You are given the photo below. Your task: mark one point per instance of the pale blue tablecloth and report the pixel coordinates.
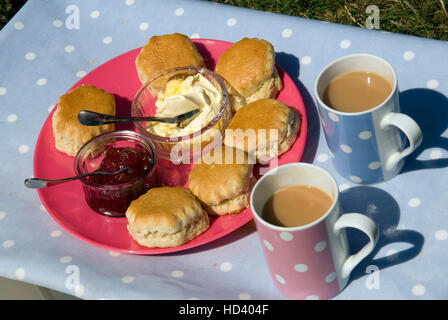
(40, 59)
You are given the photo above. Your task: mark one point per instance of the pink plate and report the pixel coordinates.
(66, 203)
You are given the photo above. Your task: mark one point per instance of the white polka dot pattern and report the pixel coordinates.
(24, 149)
(345, 44)
(432, 84)
(286, 33)
(20, 273)
(280, 279)
(81, 73)
(94, 14)
(65, 259)
(320, 246)
(143, 26)
(30, 56)
(18, 25)
(322, 157)
(268, 245)
(436, 154)
(414, 202)
(231, 22)
(418, 290)
(226, 266)
(177, 273)
(8, 244)
(441, 234)
(306, 60)
(41, 82)
(331, 277)
(333, 117)
(127, 279)
(12, 118)
(244, 296)
(286, 236)
(346, 148)
(300, 267)
(374, 165)
(179, 12)
(408, 55)
(57, 23)
(365, 135)
(356, 179)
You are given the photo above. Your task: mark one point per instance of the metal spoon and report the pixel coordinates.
(90, 118)
(36, 183)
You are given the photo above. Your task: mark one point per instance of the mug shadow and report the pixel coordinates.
(236, 235)
(429, 108)
(291, 65)
(382, 208)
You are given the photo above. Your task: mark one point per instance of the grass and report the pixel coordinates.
(8, 9)
(424, 18)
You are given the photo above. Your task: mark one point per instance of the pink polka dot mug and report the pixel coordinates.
(310, 261)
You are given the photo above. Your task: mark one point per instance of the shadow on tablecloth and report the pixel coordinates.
(291, 65)
(236, 235)
(381, 207)
(429, 108)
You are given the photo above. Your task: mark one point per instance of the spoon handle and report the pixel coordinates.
(90, 118)
(37, 183)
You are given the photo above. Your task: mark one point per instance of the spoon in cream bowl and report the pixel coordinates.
(90, 118)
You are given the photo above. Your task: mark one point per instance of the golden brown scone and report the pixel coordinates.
(69, 134)
(165, 52)
(250, 129)
(166, 217)
(222, 180)
(248, 69)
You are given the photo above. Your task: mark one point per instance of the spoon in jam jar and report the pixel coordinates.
(36, 183)
(90, 118)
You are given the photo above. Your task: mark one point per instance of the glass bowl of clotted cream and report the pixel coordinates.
(176, 92)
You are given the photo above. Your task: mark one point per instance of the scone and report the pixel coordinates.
(264, 129)
(69, 134)
(248, 69)
(166, 217)
(223, 180)
(165, 52)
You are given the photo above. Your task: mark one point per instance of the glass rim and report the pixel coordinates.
(309, 166)
(352, 56)
(129, 135)
(218, 116)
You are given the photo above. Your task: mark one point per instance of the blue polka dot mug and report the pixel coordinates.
(370, 146)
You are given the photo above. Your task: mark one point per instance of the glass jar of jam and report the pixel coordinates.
(110, 152)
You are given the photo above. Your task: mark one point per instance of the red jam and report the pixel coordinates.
(103, 193)
(115, 159)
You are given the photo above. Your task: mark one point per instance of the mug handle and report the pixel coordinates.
(366, 225)
(412, 131)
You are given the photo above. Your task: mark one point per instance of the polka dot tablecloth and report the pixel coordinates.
(44, 53)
